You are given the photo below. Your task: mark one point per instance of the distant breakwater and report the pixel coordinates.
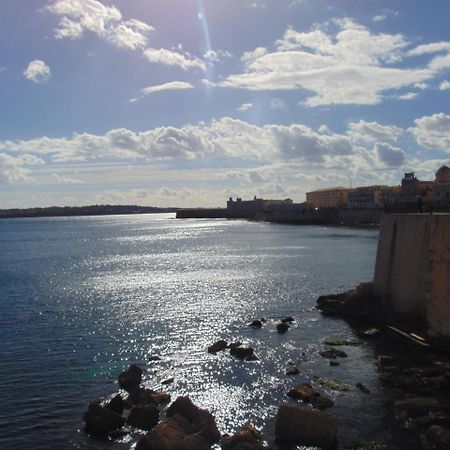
(323, 216)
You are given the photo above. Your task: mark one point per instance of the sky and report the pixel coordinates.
(189, 102)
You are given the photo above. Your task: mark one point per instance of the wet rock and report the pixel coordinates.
(154, 358)
(437, 438)
(116, 404)
(143, 396)
(234, 344)
(282, 327)
(334, 385)
(218, 346)
(243, 353)
(100, 421)
(306, 393)
(256, 324)
(337, 342)
(292, 369)
(247, 437)
(362, 388)
(385, 360)
(168, 381)
(193, 442)
(144, 417)
(167, 435)
(305, 426)
(131, 378)
(201, 419)
(334, 363)
(288, 319)
(333, 353)
(372, 332)
(418, 405)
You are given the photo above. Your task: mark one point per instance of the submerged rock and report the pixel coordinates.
(144, 417)
(305, 426)
(418, 405)
(255, 324)
(306, 393)
(362, 388)
(100, 420)
(292, 369)
(332, 353)
(218, 346)
(131, 378)
(337, 342)
(437, 438)
(282, 327)
(288, 319)
(334, 385)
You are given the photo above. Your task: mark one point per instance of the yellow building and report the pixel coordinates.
(328, 198)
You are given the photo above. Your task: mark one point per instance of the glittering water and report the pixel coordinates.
(82, 298)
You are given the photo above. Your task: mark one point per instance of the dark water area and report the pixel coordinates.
(82, 298)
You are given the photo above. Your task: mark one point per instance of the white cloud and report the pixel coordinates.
(171, 86)
(444, 85)
(277, 104)
(379, 18)
(408, 96)
(389, 155)
(216, 55)
(351, 66)
(373, 131)
(172, 58)
(81, 16)
(63, 179)
(12, 168)
(37, 71)
(245, 107)
(433, 132)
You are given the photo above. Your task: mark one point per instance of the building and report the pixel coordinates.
(441, 187)
(412, 189)
(368, 197)
(328, 198)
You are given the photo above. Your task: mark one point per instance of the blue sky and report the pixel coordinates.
(188, 102)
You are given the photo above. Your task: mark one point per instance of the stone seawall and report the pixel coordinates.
(412, 275)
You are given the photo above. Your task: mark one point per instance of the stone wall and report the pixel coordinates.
(412, 274)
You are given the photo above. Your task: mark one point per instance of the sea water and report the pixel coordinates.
(82, 298)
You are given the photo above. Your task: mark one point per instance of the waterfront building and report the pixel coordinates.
(368, 197)
(250, 208)
(328, 198)
(413, 189)
(441, 187)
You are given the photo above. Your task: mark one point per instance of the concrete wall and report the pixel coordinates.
(412, 274)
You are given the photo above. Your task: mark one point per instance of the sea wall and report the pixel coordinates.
(412, 274)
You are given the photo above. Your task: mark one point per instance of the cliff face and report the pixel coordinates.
(412, 275)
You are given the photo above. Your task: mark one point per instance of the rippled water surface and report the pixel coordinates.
(82, 298)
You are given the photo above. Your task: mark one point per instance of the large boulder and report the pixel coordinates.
(305, 426)
(116, 404)
(144, 417)
(243, 353)
(437, 438)
(100, 420)
(143, 396)
(218, 346)
(246, 437)
(131, 378)
(202, 420)
(306, 393)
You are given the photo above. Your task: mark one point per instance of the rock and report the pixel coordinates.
(306, 393)
(288, 319)
(333, 353)
(131, 378)
(154, 358)
(334, 363)
(116, 404)
(437, 438)
(246, 437)
(334, 385)
(372, 332)
(202, 420)
(193, 442)
(100, 421)
(143, 396)
(362, 388)
(246, 353)
(144, 417)
(292, 369)
(256, 324)
(305, 426)
(234, 344)
(337, 342)
(218, 346)
(168, 381)
(418, 405)
(167, 435)
(282, 327)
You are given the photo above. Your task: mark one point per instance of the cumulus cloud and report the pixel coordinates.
(81, 16)
(245, 107)
(350, 66)
(216, 55)
(389, 155)
(408, 96)
(37, 71)
(373, 131)
(172, 58)
(433, 132)
(12, 168)
(444, 85)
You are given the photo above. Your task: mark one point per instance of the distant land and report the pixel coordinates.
(92, 210)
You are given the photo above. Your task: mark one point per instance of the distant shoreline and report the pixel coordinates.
(72, 211)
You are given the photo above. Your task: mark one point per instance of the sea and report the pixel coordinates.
(82, 298)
